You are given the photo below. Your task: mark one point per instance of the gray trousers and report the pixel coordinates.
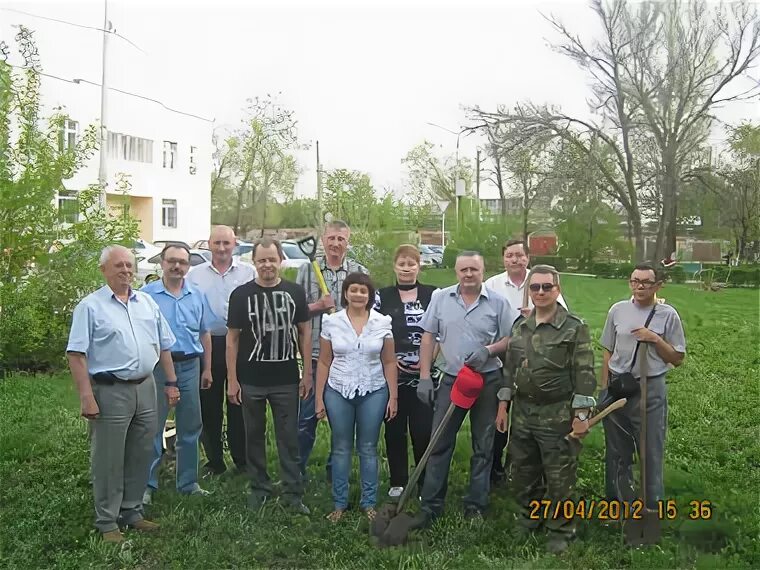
(121, 449)
(284, 403)
(482, 428)
(621, 432)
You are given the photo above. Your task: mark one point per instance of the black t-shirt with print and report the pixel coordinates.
(267, 318)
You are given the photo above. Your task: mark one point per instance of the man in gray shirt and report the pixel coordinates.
(663, 339)
(473, 325)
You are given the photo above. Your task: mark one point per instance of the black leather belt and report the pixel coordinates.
(182, 357)
(109, 379)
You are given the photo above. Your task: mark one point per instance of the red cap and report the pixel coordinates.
(466, 388)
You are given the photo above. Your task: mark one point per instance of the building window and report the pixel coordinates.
(68, 207)
(193, 166)
(127, 147)
(169, 213)
(170, 154)
(69, 134)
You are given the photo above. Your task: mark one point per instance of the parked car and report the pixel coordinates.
(149, 269)
(145, 249)
(435, 248)
(241, 247)
(294, 257)
(429, 258)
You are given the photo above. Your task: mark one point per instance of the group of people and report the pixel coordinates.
(387, 357)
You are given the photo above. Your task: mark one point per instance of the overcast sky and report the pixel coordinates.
(363, 78)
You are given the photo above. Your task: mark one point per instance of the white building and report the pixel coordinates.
(165, 154)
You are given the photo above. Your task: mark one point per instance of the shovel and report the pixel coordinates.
(391, 526)
(616, 405)
(647, 529)
(308, 247)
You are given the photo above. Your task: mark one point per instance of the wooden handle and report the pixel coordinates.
(616, 405)
(321, 281)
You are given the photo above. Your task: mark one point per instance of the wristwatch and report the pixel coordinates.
(582, 416)
(504, 394)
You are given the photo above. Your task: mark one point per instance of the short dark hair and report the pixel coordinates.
(177, 246)
(544, 270)
(267, 242)
(358, 278)
(511, 242)
(659, 272)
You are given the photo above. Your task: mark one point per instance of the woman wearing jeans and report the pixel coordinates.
(356, 388)
(406, 302)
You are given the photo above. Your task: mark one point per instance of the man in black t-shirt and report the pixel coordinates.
(267, 321)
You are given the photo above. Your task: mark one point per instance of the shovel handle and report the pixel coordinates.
(321, 280)
(616, 405)
(415, 476)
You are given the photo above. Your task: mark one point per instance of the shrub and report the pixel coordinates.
(555, 261)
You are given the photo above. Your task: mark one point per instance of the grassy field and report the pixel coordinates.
(713, 453)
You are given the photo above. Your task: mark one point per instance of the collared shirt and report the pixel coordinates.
(218, 287)
(503, 285)
(617, 338)
(123, 338)
(357, 366)
(188, 315)
(463, 330)
(334, 281)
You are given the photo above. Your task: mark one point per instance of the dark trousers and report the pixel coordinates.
(307, 424)
(482, 418)
(284, 403)
(415, 417)
(212, 412)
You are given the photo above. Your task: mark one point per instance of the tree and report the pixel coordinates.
(434, 176)
(657, 74)
(258, 162)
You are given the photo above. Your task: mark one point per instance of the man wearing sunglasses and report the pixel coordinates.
(656, 328)
(550, 368)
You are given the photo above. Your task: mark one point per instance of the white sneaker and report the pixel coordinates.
(395, 492)
(148, 496)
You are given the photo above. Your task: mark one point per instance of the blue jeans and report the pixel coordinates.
(307, 425)
(188, 422)
(360, 417)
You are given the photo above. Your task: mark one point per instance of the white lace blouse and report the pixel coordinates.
(357, 367)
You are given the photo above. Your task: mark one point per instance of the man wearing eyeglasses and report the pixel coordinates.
(335, 266)
(663, 339)
(190, 317)
(550, 365)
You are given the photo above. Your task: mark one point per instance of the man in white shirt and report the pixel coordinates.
(511, 284)
(217, 279)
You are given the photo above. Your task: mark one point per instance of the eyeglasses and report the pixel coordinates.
(635, 283)
(182, 262)
(546, 287)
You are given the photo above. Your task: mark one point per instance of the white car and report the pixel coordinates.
(145, 249)
(294, 257)
(149, 269)
(429, 257)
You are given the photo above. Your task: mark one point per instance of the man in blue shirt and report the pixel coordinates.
(117, 336)
(188, 313)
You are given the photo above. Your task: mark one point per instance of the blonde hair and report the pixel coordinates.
(407, 250)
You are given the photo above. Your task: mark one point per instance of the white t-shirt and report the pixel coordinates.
(504, 286)
(357, 367)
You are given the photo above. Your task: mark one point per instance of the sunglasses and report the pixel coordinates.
(546, 287)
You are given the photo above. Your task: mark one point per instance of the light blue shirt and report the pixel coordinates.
(462, 330)
(188, 315)
(218, 287)
(123, 338)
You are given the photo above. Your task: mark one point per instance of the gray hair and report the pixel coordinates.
(469, 253)
(109, 249)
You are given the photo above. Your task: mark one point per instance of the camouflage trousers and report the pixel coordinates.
(544, 463)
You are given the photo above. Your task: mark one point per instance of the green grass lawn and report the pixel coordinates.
(713, 453)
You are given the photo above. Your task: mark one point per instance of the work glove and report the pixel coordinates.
(425, 391)
(477, 360)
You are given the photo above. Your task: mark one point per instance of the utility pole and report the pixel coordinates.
(102, 166)
(477, 182)
(320, 220)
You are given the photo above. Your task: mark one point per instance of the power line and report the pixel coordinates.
(79, 81)
(133, 44)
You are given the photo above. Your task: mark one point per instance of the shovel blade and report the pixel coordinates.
(643, 531)
(398, 530)
(383, 517)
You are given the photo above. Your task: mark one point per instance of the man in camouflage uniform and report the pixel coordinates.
(551, 367)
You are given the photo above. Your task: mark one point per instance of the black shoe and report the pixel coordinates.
(421, 520)
(473, 514)
(215, 468)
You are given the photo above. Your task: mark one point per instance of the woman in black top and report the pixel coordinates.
(406, 303)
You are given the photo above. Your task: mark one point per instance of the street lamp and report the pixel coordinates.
(458, 183)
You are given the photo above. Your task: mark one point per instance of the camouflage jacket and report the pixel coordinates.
(550, 362)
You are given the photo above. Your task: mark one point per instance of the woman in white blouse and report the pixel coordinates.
(356, 388)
